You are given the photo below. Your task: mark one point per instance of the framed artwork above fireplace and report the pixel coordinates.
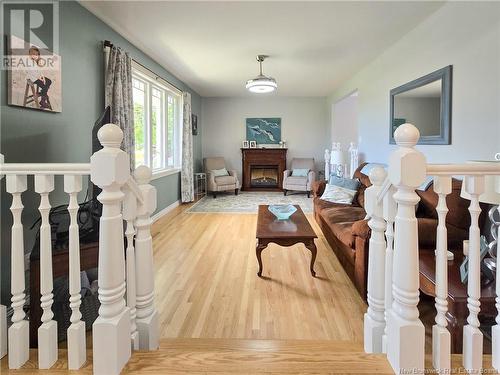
(264, 130)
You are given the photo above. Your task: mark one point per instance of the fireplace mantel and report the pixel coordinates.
(262, 157)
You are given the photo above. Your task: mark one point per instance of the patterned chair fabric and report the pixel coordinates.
(299, 183)
(221, 183)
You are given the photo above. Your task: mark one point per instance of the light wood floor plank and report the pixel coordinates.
(207, 287)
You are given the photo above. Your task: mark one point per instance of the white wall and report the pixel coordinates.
(345, 121)
(303, 126)
(463, 34)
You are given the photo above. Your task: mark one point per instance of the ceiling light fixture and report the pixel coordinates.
(261, 84)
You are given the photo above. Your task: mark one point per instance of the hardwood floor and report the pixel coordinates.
(244, 357)
(207, 287)
(235, 356)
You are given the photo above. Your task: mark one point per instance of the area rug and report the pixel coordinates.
(248, 202)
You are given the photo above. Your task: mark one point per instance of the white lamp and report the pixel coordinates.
(337, 162)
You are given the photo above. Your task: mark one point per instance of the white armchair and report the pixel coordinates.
(222, 183)
(299, 183)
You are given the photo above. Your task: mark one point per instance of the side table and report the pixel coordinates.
(200, 184)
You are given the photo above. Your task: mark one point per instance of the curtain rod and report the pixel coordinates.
(107, 43)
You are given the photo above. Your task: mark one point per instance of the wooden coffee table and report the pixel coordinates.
(284, 233)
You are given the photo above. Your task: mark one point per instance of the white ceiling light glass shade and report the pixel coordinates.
(261, 84)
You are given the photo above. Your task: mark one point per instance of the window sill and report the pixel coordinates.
(165, 172)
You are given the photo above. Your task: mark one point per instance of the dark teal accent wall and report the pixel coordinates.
(34, 136)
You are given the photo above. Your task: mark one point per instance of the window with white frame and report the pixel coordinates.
(157, 123)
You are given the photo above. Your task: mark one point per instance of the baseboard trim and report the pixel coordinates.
(165, 211)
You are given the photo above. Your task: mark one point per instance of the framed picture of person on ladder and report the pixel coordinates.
(34, 77)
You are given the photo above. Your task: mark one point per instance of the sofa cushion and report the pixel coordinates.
(343, 231)
(360, 198)
(458, 207)
(219, 172)
(318, 187)
(365, 182)
(320, 205)
(300, 172)
(343, 214)
(339, 192)
(225, 180)
(300, 181)
(427, 230)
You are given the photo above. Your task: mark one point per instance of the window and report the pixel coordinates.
(157, 123)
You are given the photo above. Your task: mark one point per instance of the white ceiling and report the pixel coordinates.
(313, 46)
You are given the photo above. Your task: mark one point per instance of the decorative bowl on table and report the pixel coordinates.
(282, 211)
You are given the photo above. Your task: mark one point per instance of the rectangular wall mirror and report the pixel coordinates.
(425, 103)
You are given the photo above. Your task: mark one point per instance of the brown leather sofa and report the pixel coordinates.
(347, 232)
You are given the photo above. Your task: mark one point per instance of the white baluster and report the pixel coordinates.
(441, 339)
(111, 331)
(405, 331)
(327, 165)
(47, 332)
(129, 215)
(147, 317)
(374, 318)
(354, 159)
(473, 337)
(495, 331)
(389, 217)
(77, 349)
(19, 330)
(3, 309)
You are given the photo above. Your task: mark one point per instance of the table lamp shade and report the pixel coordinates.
(337, 157)
(491, 193)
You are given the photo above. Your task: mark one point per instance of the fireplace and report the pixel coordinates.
(263, 168)
(264, 176)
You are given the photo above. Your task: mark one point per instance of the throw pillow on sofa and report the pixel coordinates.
(219, 172)
(340, 190)
(300, 172)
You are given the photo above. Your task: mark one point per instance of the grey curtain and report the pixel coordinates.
(187, 186)
(118, 95)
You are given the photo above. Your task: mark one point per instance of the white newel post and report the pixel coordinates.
(147, 317)
(441, 339)
(129, 215)
(3, 309)
(47, 332)
(19, 330)
(405, 331)
(495, 331)
(473, 337)
(77, 349)
(111, 331)
(374, 318)
(389, 217)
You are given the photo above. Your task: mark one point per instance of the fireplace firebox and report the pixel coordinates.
(264, 176)
(263, 168)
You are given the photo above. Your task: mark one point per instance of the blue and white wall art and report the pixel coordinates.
(264, 130)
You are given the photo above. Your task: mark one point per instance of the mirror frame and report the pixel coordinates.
(445, 75)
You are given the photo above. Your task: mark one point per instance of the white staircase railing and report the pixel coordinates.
(122, 325)
(392, 323)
